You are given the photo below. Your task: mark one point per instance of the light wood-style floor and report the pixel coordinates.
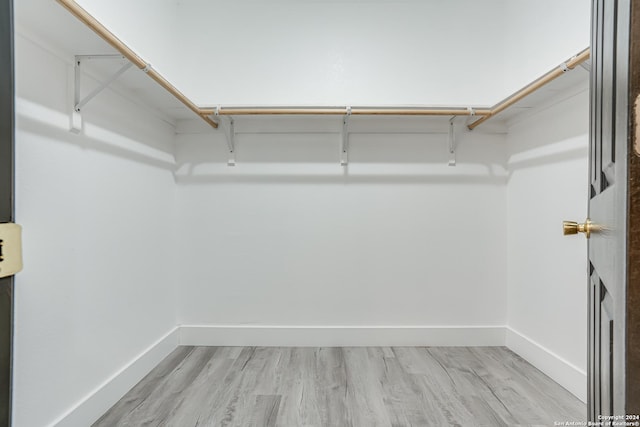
(341, 387)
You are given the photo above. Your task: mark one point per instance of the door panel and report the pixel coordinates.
(606, 332)
(608, 207)
(607, 67)
(594, 343)
(602, 323)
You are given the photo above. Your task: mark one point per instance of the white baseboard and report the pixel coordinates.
(341, 336)
(561, 371)
(98, 401)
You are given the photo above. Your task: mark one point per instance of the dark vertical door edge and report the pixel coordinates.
(6, 199)
(633, 232)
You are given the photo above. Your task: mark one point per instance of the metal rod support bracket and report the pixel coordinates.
(230, 134)
(78, 101)
(452, 143)
(344, 139)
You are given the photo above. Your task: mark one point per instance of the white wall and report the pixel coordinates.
(98, 286)
(288, 52)
(547, 273)
(287, 237)
(540, 35)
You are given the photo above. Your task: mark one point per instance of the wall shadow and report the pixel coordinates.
(55, 130)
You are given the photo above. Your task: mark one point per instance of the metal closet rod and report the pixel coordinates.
(206, 113)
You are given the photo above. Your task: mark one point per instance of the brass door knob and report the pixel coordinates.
(572, 227)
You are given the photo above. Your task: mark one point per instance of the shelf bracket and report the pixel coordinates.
(344, 139)
(230, 134)
(78, 101)
(452, 143)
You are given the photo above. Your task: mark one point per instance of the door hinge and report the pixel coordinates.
(10, 249)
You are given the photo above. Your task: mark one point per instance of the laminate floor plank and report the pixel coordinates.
(144, 388)
(233, 405)
(203, 393)
(331, 387)
(403, 397)
(556, 397)
(265, 411)
(344, 387)
(157, 407)
(300, 402)
(436, 382)
(530, 382)
(364, 396)
(510, 389)
(479, 400)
